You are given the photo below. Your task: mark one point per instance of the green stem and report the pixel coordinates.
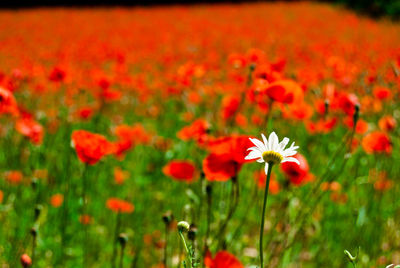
(263, 215)
(116, 232)
(186, 248)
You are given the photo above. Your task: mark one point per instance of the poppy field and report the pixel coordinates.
(218, 136)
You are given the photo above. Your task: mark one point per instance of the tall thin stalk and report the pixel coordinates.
(263, 215)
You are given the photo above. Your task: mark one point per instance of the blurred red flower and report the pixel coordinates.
(387, 123)
(128, 137)
(120, 175)
(26, 261)
(377, 142)
(57, 200)
(297, 174)
(195, 131)
(226, 157)
(119, 205)
(57, 75)
(381, 93)
(222, 259)
(28, 127)
(180, 170)
(230, 105)
(90, 147)
(14, 176)
(8, 104)
(347, 102)
(261, 179)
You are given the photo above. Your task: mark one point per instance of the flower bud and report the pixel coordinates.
(33, 231)
(38, 209)
(351, 258)
(26, 260)
(326, 105)
(122, 239)
(167, 217)
(192, 232)
(183, 226)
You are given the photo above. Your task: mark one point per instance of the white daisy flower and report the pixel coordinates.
(272, 151)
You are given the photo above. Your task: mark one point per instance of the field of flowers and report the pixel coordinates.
(132, 137)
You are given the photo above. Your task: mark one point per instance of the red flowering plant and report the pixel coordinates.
(90, 147)
(222, 259)
(180, 170)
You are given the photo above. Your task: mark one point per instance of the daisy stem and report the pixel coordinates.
(188, 252)
(263, 215)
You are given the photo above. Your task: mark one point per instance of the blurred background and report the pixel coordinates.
(375, 8)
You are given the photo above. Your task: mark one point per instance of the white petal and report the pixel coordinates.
(291, 159)
(261, 160)
(253, 155)
(266, 168)
(289, 152)
(255, 148)
(265, 142)
(259, 144)
(283, 143)
(273, 141)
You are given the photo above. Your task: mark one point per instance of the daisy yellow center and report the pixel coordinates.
(272, 157)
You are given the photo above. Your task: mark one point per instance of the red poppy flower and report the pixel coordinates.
(387, 123)
(110, 95)
(85, 112)
(57, 200)
(296, 173)
(234, 147)
(321, 126)
(284, 91)
(195, 131)
(222, 259)
(120, 175)
(347, 102)
(377, 142)
(261, 179)
(220, 167)
(226, 157)
(57, 75)
(28, 127)
(8, 104)
(361, 126)
(26, 261)
(85, 219)
(129, 136)
(14, 176)
(230, 104)
(120, 206)
(383, 184)
(90, 147)
(180, 170)
(382, 93)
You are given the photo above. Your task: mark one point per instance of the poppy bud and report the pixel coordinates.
(167, 217)
(183, 226)
(209, 189)
(122, 239)
(26, 260)
(33, 231)
(356, 114)
(326, 103)
(38, 209)
(34, 183)
(192, 232)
